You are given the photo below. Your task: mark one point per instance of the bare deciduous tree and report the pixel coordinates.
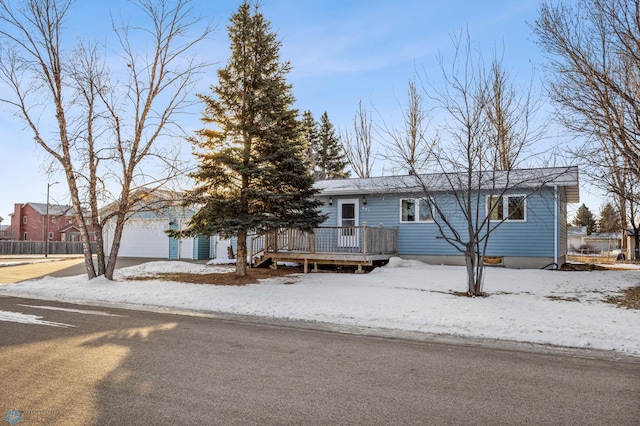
(468, 195)
(358, 146)
(410, 147)
(593, 46)
(108, 135)
(509, 112)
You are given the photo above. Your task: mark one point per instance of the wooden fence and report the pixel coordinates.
(12, 247)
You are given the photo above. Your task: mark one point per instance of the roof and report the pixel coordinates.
(149, 200)
(54, 209)
(566, 177)
(576, 231)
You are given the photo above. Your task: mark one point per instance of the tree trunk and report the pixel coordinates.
(241, 258)
(470, 262)
(80, 220)
(100, 257)
(115, 247)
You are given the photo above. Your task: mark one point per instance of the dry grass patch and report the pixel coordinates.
(563, 298)
(630, 298)
(222, 279)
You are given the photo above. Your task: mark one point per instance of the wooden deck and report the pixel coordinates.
(348, 246)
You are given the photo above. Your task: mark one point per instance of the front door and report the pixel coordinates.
(348, 220)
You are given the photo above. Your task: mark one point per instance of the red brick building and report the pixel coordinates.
(28, 223)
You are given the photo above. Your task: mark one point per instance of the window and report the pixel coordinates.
(415, 210)
(509, 207)
(51, 235)
(26, 236)
(24, 219)
(53, 219)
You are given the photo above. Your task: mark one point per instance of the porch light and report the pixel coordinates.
(330, 201)
(364, 200)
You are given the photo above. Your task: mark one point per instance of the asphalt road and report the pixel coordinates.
(91, 365)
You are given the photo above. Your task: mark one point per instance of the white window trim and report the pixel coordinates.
(417, 203)
(356, 202)
(505, 208)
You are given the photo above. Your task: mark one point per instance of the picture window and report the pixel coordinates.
(415, 210)
(507, 208)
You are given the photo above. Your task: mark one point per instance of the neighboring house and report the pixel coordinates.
(29, 223)
(534, 236)
(144, 232)
(597, 242)
(575, 237)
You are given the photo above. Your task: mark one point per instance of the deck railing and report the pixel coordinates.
(365, 240)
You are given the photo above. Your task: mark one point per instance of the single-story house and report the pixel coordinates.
(534, 209)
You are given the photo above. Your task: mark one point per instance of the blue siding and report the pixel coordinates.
(201, 247)
(563, 223)
(532, 237)
(174, 244)
(166, 213)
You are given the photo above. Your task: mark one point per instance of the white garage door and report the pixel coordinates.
(143, 239)
(146, 238)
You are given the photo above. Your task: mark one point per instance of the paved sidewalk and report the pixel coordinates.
(29, 268)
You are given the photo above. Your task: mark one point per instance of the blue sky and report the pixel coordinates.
(341, 52)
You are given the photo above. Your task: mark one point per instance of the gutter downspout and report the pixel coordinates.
(555, 224)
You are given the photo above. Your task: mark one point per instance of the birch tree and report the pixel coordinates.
(112, 125)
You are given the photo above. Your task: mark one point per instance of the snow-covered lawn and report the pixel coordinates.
(538, 306)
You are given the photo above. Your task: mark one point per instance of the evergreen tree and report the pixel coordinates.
(584, 217)
(330, 157)
(252, 173)
(311, 140)
(609, 220)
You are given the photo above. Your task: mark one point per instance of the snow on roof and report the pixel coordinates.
(54, 209)
(566, 177)
(576, 231)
